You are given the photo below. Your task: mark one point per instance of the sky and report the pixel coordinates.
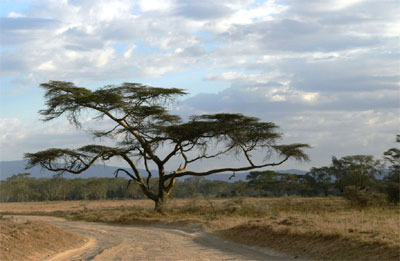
(327, 72)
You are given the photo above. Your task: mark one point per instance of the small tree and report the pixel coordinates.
(321, 178)
(143, 129)
(392, 179)
(267, 182)
(359, 171)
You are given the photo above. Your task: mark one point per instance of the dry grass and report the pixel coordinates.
(62, 206)
(319, 228)
(33, 240)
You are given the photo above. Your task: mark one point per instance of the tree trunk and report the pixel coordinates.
(160, 204)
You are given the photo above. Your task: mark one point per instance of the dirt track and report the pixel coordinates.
(114, 242)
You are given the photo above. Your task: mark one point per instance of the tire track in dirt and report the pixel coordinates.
(118, 242)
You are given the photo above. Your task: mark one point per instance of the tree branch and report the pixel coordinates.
(126, 172)
(172, 153)
(185, 165)
(246, 154)
(212, 156)
(148, 171)
(206, 173)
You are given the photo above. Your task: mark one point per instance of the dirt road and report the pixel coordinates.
(115, 242)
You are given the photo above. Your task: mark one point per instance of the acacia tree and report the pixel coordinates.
(144, 129)
(359, 171)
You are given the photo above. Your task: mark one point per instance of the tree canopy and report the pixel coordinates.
(359, 171)
(143, 129)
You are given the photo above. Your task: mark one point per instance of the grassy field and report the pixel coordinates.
(316, 228)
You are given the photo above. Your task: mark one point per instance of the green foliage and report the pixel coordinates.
(321, 178)
(271, 183)
(359, 171)
(294, 151)
(356, 177)
(134, 100)
(235, 129)
(22, 188)
(18, 189)
(393, 187)
(364, 198)
(392, 179)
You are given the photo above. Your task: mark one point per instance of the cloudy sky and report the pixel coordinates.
(327, 72)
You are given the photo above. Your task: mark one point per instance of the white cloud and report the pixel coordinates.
(277, 98)
(15, 140)
(155, 5)
(328, 67)
(334, 5)
(9, 127)
(129, 52)
(310, 97)
(110, 10)
(251, 26)
(248, 14)
(47, 66)
(14, 14)
(104, 57)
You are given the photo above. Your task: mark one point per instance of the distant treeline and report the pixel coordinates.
(22, 187)
(359, 178)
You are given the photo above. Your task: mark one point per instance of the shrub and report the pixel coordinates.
(364, 198)
(393, 187)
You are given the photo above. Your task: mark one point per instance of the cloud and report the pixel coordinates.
(299, 63)
(78, 39)
(20, 23)
(23, 30)
(155, 5)
(78, 28)
(15, 140)
(331, 130)
(204, 10)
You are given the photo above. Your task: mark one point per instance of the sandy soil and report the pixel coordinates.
(34, 240)
(115, 242)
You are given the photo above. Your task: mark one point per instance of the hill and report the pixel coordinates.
(9, 168)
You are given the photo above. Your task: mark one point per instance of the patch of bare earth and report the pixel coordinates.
(34, 240)
(290, 237)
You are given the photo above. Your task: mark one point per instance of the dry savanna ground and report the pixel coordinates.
(316, 228)
(34, 240)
